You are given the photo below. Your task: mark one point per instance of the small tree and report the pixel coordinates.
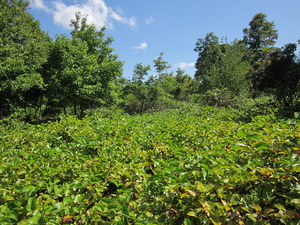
(137, 90)
(183, 87)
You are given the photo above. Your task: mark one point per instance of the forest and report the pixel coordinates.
(42, 78)
(81, 143)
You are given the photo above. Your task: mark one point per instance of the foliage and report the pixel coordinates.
(156, 92)
(221, 66)
(220, 98)
(80, 71)
(160, 65)
(23, 49)
(281, 77)
(260, 38)
(208, 53)
(140, 93)
(261, 34)
(184, 83)
(186, 166)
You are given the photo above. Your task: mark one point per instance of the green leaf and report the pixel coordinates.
(242, 133)
(58, 190)
(280, 207)
(193, 214)
(29, 189)
(192, 193)
(67, 200)
(251, 216)
(239, 146)
(125, 211)
(253, 136)
(262, 146)
(295, 201)
(12, 215)
(6, 222)
(296, 168)
(112, 206)
(35, 219)
(187, 222)
(31, 204)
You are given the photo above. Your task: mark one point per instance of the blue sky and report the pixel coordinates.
(143, 28)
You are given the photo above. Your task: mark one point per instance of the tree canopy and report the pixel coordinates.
(23, 49)
(75, 73)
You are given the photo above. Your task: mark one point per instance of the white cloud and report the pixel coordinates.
(97, 13)
(183, 65)
(142, 46)
(129, 21)
(39, 4)
(149, 20)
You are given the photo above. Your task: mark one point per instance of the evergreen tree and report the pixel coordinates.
(260, 38)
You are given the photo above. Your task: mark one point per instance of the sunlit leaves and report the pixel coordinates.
(184, 166)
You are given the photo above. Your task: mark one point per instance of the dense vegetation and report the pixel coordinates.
(192, 165)
(82, 144)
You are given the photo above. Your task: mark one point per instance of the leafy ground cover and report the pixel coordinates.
(185, 166)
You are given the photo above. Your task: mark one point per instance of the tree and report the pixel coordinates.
(140, 72)
(23, 49)
(221, 65)
(232, 69)
(137, 90)
(281, 76)
(166, 81)
(81, 70)
(260, 39)
(160, 65)
(183, 86)
(209, 51)
(261, 34)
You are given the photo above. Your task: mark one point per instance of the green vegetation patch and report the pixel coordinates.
(185, 166)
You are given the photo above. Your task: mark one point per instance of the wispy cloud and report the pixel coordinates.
(142, 46)
(97, 13)
(183, 65)
(149, 20)
(39, 4)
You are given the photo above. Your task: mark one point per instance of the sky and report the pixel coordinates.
(142, 29)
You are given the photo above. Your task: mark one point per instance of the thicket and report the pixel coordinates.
(191, 165)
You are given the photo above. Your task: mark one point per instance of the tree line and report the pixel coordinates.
(43, 77)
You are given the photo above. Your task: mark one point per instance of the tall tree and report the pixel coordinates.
(260, 34)
(23, 49)
(140, 72)
(260, 38)
(209, 51)
(160, 65)
(221, 65)
(281, 76)
(82, 69)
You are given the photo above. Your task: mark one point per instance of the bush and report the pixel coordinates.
(220, 98)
